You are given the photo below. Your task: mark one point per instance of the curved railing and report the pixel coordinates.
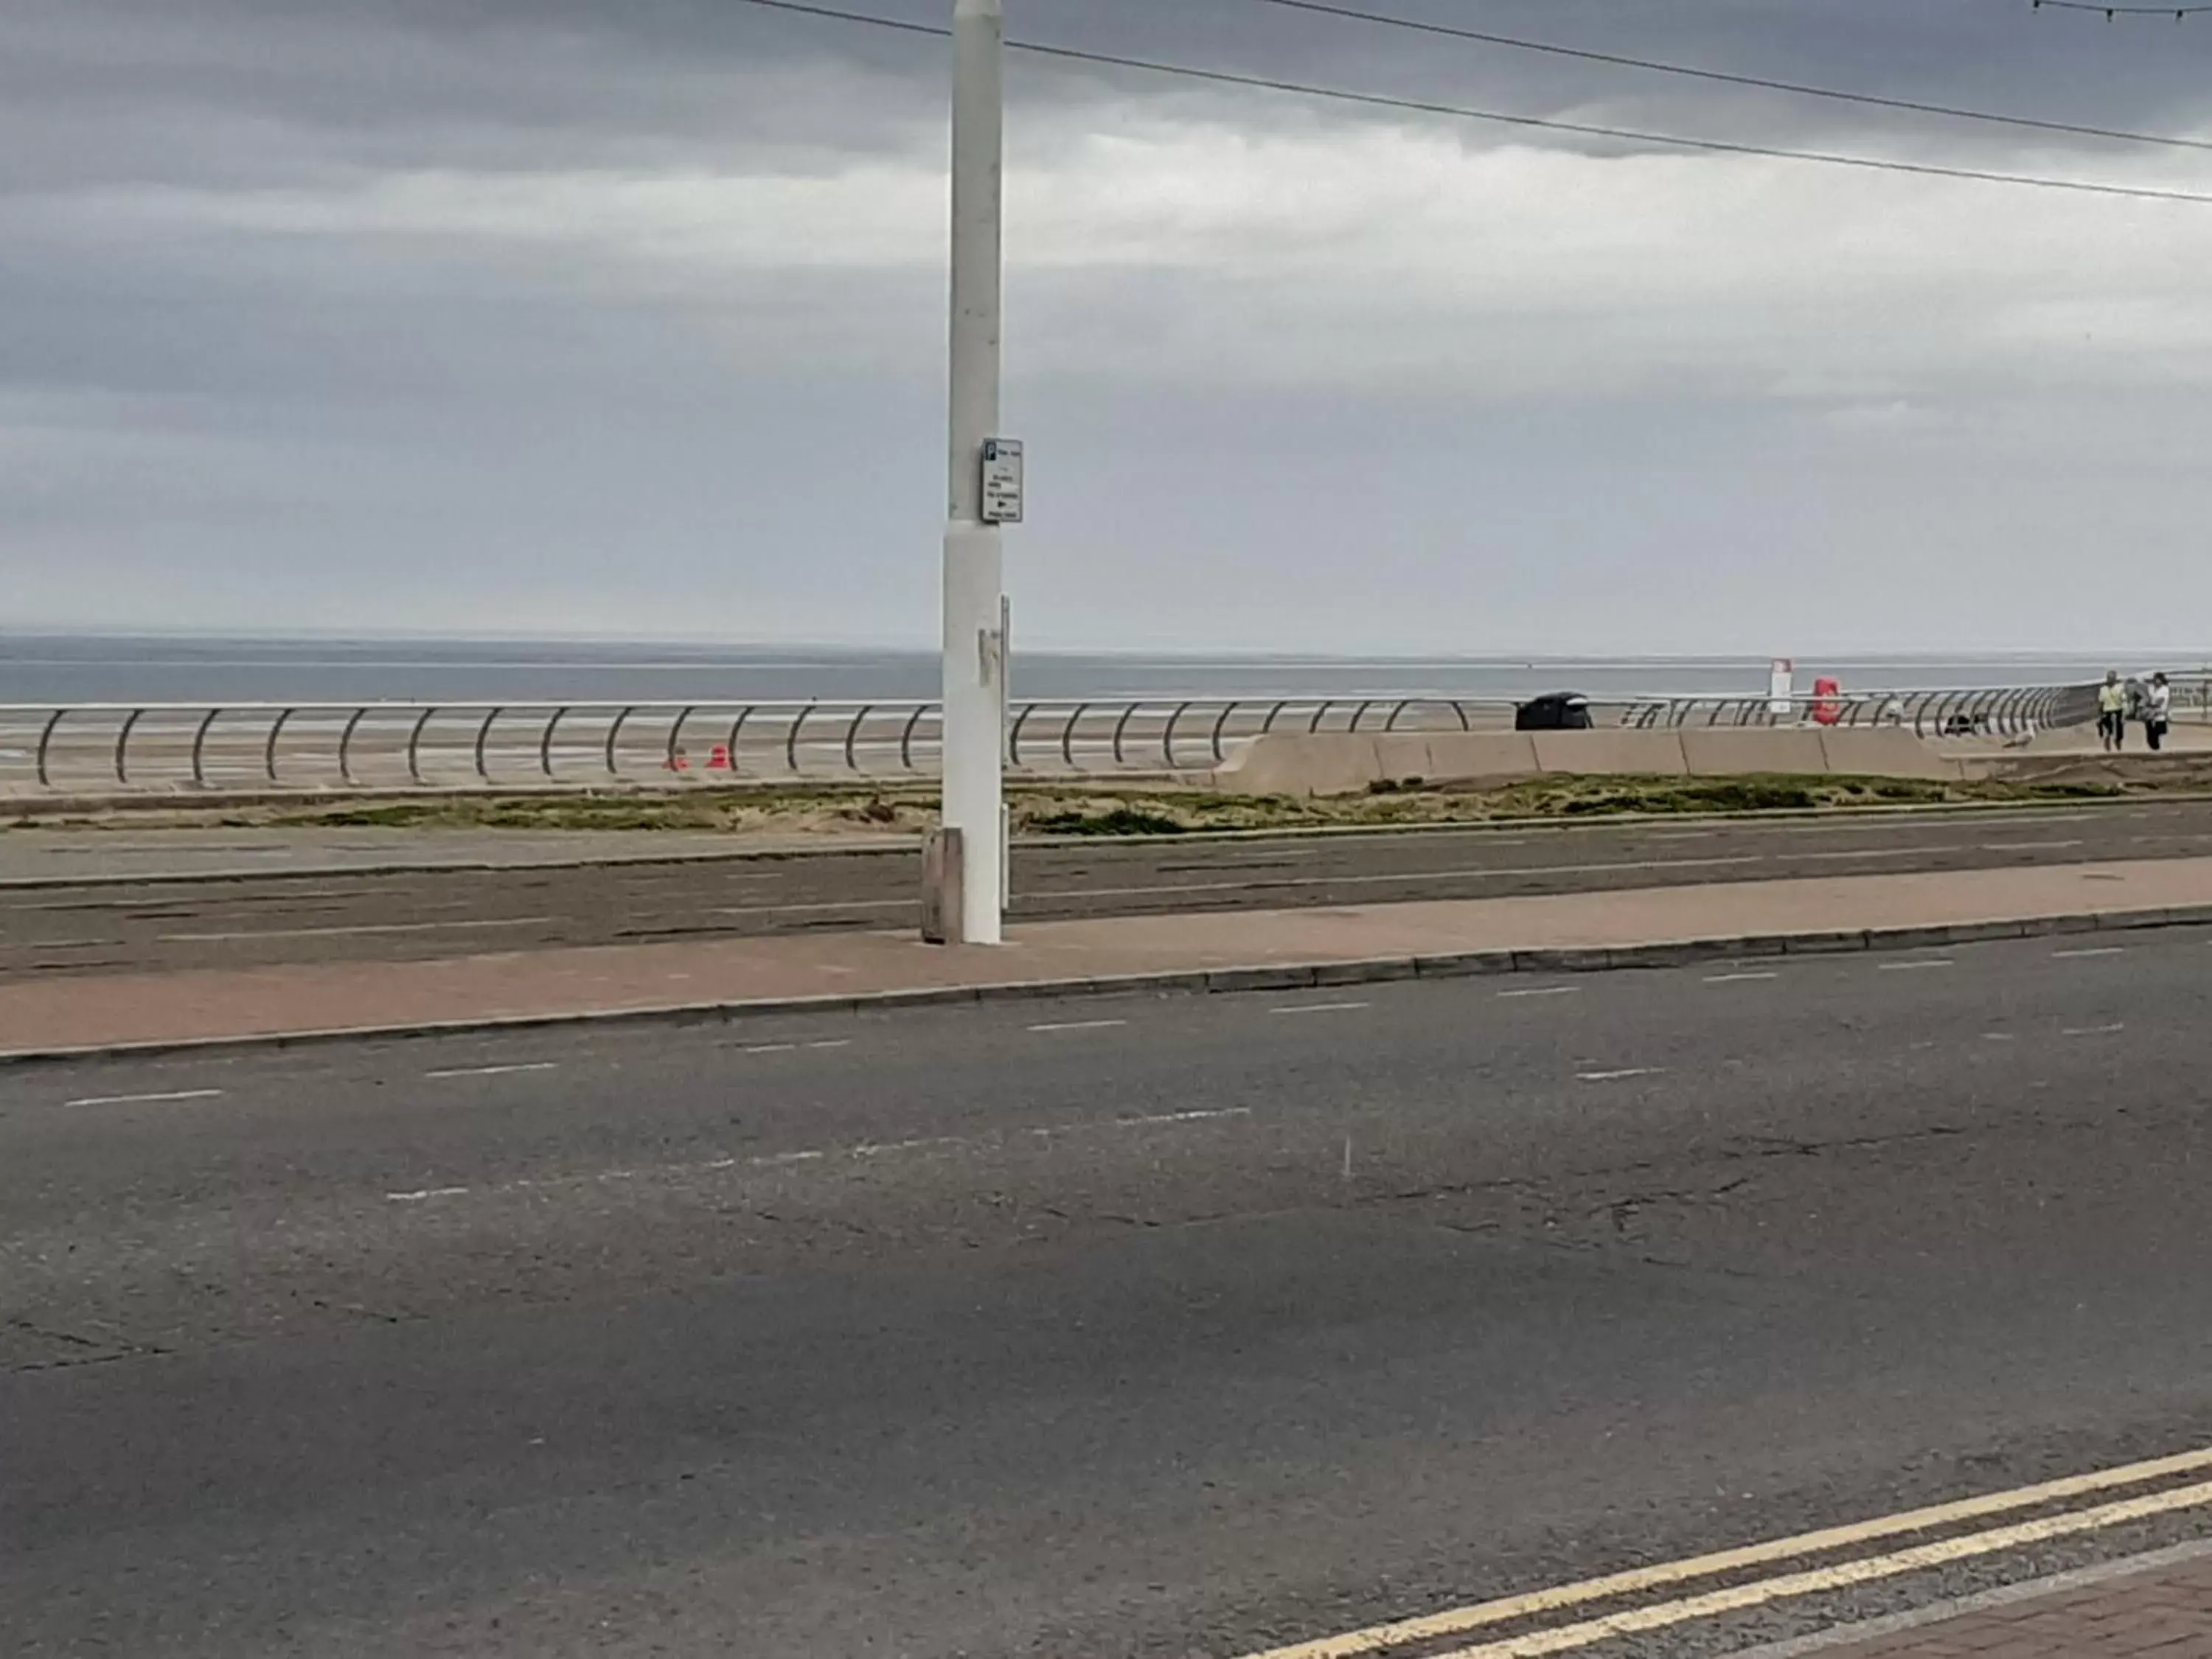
(107, 748)
(1990, 711)
(251, 747)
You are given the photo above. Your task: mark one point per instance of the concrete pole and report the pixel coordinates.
(973, 645)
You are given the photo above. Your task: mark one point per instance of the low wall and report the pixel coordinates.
(1889, 754)
(1342, 763)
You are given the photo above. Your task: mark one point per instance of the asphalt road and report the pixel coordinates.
(340, 914)
(1158, 1326)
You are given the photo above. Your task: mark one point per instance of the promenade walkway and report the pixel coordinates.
(1218, 951)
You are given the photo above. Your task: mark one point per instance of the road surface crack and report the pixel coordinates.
(1785, 1147)
(1624, 1211)
(835, 1223)
(356, 1311)
(91, 1351)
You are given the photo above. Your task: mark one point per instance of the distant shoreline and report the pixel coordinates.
(49, 667)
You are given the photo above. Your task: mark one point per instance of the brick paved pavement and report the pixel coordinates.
(2165, 1611)
(42, 1015)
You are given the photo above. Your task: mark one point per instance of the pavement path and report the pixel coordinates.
(1146, 1326)
(710, 978)
(434, 895)
(2160, 1605)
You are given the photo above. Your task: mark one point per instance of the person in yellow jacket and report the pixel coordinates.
(2112, 713)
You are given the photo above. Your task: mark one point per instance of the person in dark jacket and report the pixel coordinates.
(2158, 711)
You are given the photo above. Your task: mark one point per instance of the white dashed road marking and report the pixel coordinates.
(495, 1071)
(165, 1099)
(357, 930)
(1545, 991)
(825, 906)
(1866, 853)
(1322, 1008)
(2097, 950)
(1908, 967)
(1154, 1121)
(885, 1148)
(1081, 1025)
(2093, 1030)
(871, 1150)
(1615, 1077)
(1189, 889)
(1736, 979)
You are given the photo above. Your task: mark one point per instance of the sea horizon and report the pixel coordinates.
(46, 666)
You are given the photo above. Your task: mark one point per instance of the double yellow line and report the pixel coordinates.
(1688, 1608)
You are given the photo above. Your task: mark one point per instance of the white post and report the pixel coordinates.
(975, 718)
(1006, 713)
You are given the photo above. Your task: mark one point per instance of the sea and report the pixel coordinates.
(47, 669)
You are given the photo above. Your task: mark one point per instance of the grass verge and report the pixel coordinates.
(1108, 811)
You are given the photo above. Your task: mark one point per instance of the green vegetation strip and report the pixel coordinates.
(1106, 810)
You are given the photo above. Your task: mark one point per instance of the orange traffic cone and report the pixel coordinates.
(720, 761)
(677, 762)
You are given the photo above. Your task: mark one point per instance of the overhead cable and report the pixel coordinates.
(1540, 123)
(1796, 88)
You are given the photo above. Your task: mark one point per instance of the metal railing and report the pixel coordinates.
(106, 747)
(259, 747)
(1992, 711)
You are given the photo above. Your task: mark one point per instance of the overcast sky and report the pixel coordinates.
(627, 316)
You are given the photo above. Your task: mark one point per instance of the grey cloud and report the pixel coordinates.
(554, 82)
(250, 372)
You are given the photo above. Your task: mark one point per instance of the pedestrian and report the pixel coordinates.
(2158, 710)
(2112, 713)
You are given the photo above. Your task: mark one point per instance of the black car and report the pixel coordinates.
(1555, 711)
